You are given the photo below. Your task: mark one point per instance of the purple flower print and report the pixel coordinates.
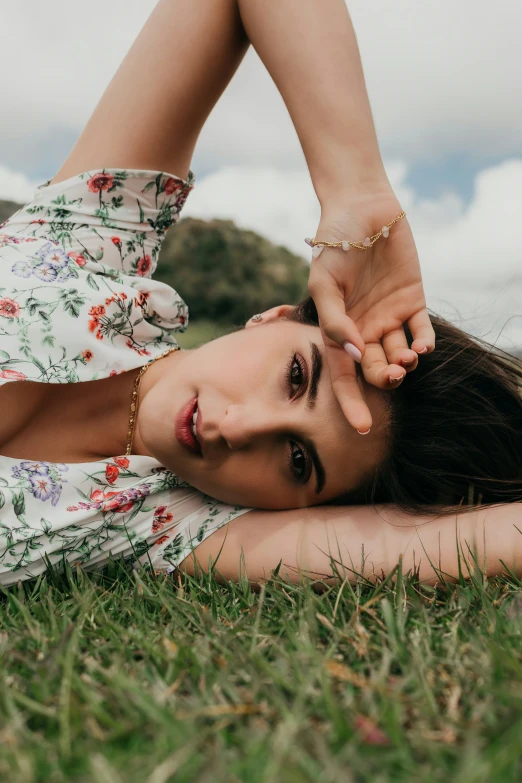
(43, 479)
(43, 487)
(22, 268)
(42, 468)
(51, 254)
(45, 272)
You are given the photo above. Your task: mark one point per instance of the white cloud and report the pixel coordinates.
(442, 78)
(463, 242)
(471, 255)
(15, 186)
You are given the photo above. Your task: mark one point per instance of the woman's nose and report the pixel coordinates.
(242, 424)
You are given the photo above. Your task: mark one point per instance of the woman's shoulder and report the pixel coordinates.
(118, 217)
(77, 301)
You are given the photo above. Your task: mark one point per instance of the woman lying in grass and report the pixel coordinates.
(316, 432)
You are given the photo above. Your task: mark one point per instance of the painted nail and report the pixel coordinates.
(424, 350)
(364, 433)
(353, 351)
(407, 362)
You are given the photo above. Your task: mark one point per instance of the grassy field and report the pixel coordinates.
(121, 678)
(202, 332)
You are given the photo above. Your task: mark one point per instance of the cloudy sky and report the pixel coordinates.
(444, 83)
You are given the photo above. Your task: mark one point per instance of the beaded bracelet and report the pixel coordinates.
(318, 246)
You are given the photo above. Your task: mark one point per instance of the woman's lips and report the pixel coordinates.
(182, 428)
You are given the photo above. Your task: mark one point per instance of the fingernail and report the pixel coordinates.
(424, 350)
(407, 362)
(364, 433)
(396, 379)
(354, 352)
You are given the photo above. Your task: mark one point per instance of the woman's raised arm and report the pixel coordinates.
(363, 297)
(365, 540)
(153, 110)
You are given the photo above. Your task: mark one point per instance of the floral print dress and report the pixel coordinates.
(78, 303)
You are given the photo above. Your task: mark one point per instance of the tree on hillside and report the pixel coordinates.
(224, 273)
(7, 208)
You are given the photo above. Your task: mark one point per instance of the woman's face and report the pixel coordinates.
(271, 431)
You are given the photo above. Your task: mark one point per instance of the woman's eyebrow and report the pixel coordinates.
(317, 366)
(318, 465)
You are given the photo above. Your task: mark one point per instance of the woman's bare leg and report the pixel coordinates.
(153, 110)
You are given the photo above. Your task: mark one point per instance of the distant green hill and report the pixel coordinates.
(7, 208)
(224, 273)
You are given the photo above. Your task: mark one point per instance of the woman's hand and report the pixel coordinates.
(364, 297)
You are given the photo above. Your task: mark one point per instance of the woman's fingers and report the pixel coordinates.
(377, 371)
(343, 376)
(396, 349)
(334, 322)
(422, 332)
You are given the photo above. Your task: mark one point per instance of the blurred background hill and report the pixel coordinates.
(7, 208)
(224, 273)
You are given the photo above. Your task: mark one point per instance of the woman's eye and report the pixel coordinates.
(299, 463)
(296, 374)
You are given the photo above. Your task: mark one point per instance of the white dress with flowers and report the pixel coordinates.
(78, 303)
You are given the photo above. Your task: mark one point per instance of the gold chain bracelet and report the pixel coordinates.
(318, 245)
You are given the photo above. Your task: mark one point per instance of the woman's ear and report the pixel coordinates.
(281, 311)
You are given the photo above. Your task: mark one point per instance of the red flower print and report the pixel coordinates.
(144, 265)
(171, 185)
(111, 473)
(123, 462)
(40, 222)
(100, 182)
(182, 319)
(160, 519)
(109, 300)
(116, 241)
(87, 355)
(161, 540)
(97, 310)
(112, 372)
(99, 336)
(157, 524)
(139, 351)
(9, 308)
(141, 299)
(97, 495)
(12, 375)
(80, 260)
(122, 296)
(112, 501)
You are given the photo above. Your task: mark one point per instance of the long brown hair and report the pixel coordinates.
(455, 430)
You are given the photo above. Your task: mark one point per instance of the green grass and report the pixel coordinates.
(200, 332)
(128, 678)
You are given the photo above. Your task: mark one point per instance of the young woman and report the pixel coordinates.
(314, 433)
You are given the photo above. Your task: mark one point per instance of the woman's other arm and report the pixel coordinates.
(153, 110)
(365, 540)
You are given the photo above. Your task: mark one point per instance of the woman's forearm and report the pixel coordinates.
(153, 110)
(310, 50)
(363, 540)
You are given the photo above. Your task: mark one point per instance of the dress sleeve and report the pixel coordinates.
(113, 219)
